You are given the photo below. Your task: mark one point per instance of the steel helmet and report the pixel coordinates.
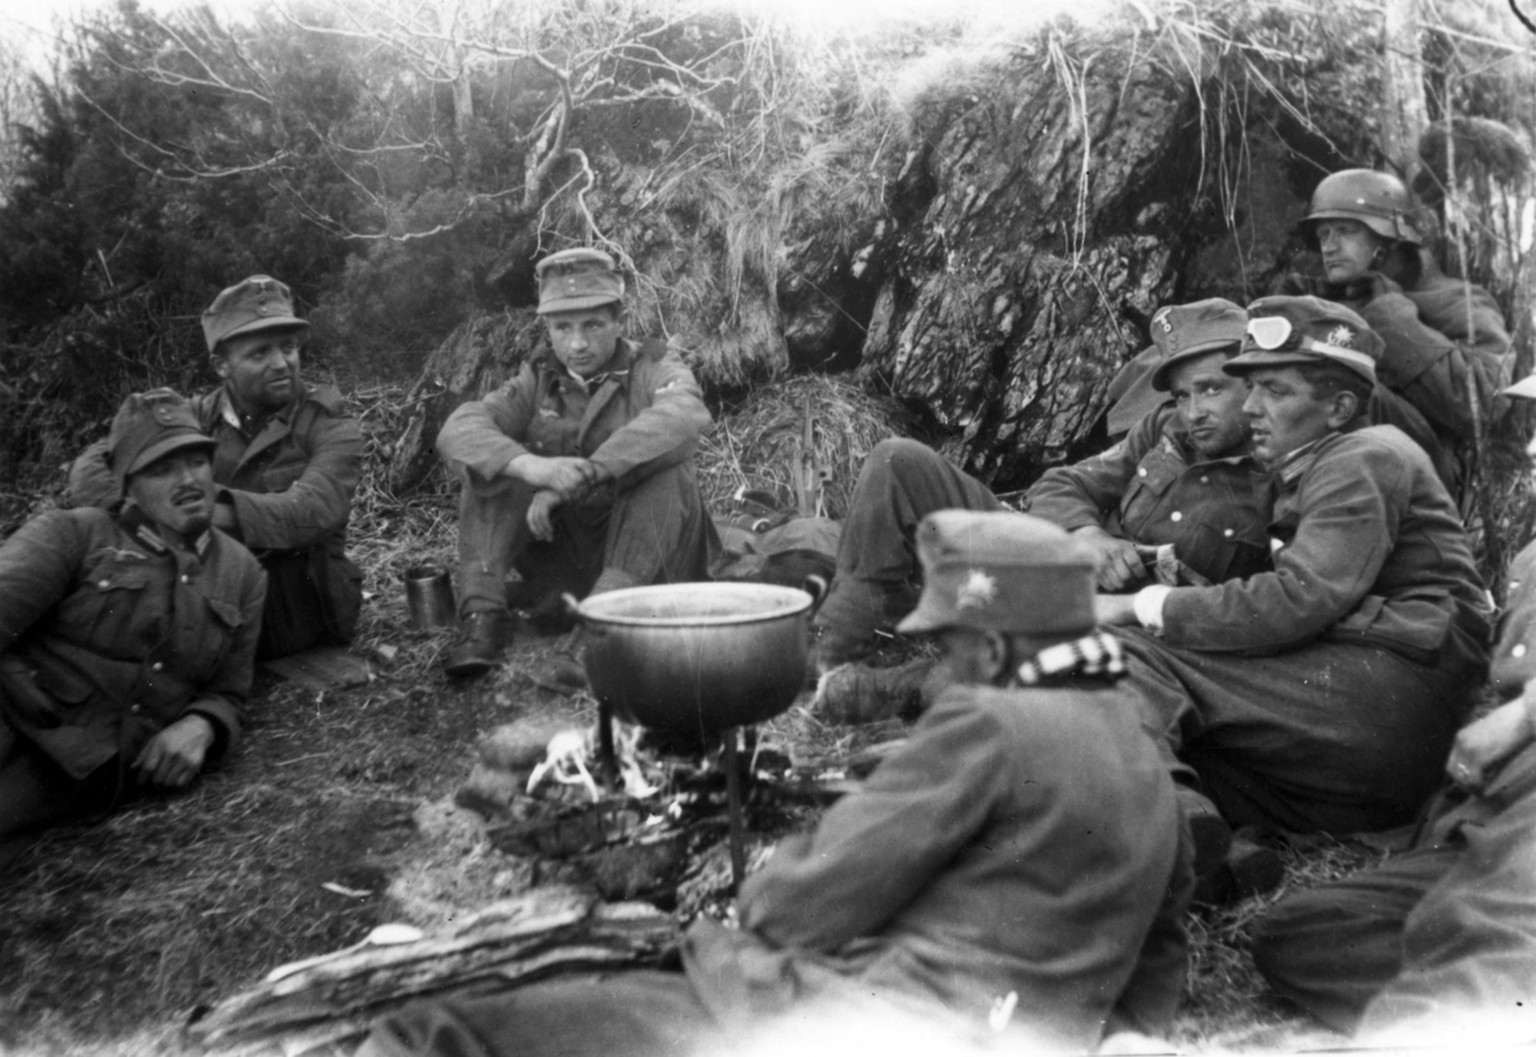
(1376, 199)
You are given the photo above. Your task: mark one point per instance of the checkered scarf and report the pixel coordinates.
(1095, 654)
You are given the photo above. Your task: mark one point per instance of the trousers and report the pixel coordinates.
(1437, 944)
(656, 531)
(1339, 737)
(878, 578)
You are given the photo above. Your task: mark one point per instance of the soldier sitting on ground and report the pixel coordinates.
(126, 641)
(1438, 946)
(288, 457)
(1321, 695)
(1178, 498)
(1016, 866)
(579, 474)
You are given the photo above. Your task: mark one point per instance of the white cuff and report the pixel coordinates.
(1149, 606)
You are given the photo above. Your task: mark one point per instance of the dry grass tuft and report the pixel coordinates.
(1226, 1006)
(760, 445)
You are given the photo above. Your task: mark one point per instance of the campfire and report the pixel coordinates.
(619, 866)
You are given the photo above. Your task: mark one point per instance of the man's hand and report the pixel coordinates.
(1482, 747)
(566, 476)
(224, 517)
(540, 523)
(1114, 609)
(175, 755)
(1120, 566)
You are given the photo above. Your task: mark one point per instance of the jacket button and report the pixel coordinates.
(103, 584)
(185, 578)
(135, 709)
(1227, 533)
(157, 666)
(1205, 480)
(1175, 516)
(1141, 471)
(1518, 651)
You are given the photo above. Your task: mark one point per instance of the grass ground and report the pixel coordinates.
(112, 935)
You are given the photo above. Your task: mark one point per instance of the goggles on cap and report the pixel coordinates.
(1277, 334)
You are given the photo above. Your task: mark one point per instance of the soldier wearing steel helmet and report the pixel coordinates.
(1446, 348)
(579, 474)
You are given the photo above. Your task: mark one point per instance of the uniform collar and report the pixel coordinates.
(1299, 461)
(133, 521)
(618, 368)
(250, 425)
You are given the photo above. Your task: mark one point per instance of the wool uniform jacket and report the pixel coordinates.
(107, 635)
(1152, 488)
(645, 413)
(291, 484)
(1368, 549)
(1446, 348)
(1022, 840)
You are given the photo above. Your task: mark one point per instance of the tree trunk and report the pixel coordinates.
(1406, 114)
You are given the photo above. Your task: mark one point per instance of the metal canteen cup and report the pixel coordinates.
(429, 597)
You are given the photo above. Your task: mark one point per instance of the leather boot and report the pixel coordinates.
(858, 693)
(482, 637)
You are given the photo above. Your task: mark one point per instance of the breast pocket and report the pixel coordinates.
(1142, 505)
(113, 608)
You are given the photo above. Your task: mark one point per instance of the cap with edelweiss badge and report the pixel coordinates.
(150, 426)
(1004, 572)
(1287, 331)
(250, 306)
(577, 279)
(1200, 327)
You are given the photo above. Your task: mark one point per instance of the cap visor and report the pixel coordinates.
(1525, 387)
(1257, 358)
(164, 446)
(1160, 374)
(578, 304)
(256, 326)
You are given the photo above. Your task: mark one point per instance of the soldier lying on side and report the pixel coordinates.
(126, 642)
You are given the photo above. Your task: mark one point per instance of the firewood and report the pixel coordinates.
(546, 931)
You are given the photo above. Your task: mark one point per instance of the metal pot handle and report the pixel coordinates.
(818, 587)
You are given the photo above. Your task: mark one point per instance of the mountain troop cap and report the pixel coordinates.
(575, 279)
(1004, 572)
(149, 426)
(1286, 331)
(1183, 331)
(251, 305)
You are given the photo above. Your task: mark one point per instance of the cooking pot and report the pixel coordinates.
(696, 657)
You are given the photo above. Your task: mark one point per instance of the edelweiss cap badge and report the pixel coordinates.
(978, 591)
(1342, 336)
